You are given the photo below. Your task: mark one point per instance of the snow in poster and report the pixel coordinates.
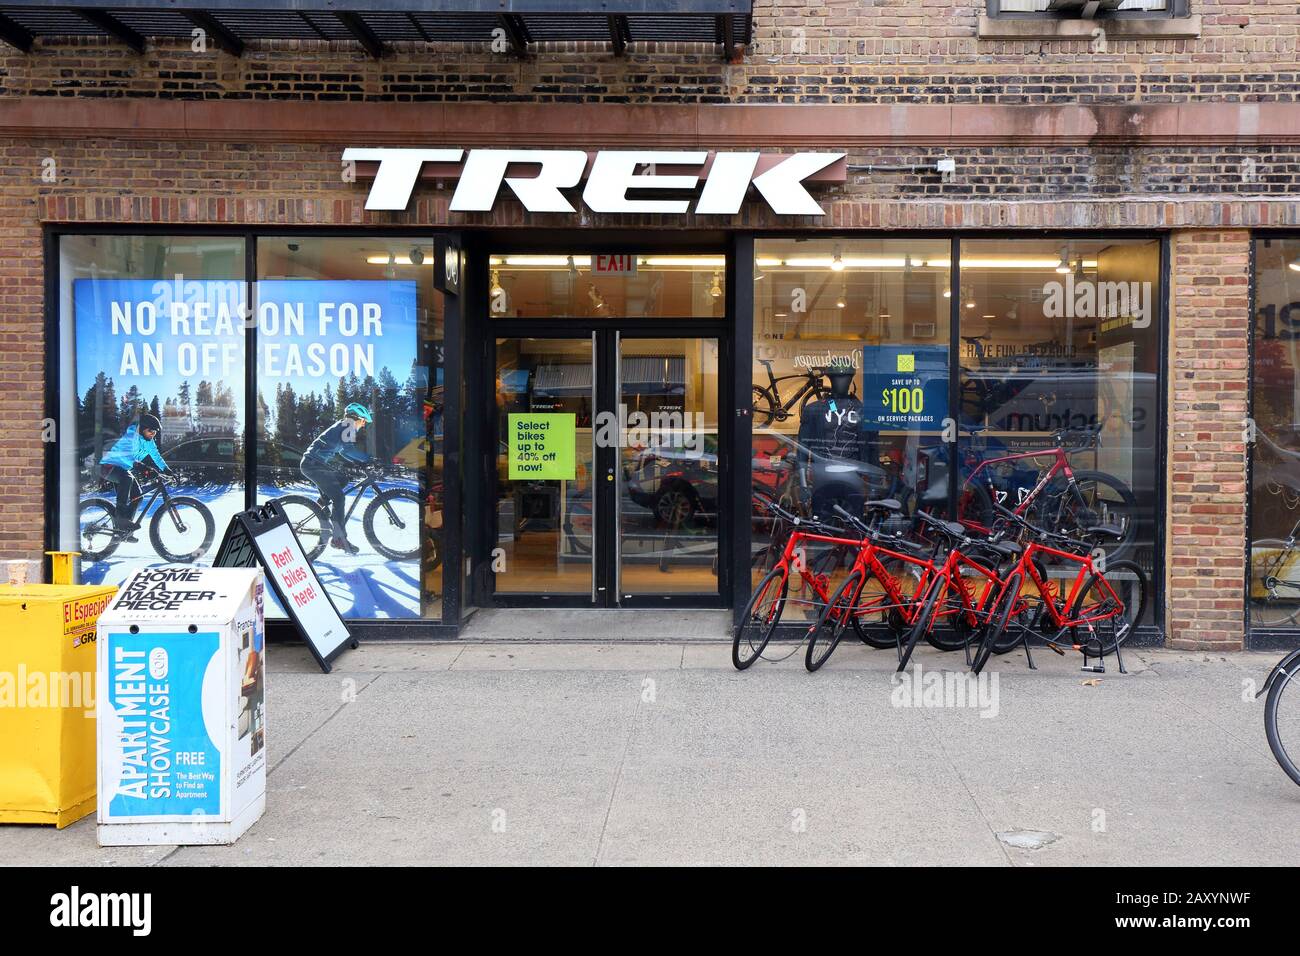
(175, 348)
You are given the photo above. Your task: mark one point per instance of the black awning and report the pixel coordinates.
(520, 24)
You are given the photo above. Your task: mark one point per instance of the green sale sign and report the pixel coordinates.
(542, 446)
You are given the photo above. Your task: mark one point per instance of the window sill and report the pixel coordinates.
(1052, 28)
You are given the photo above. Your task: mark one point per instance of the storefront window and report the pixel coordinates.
(607, 286)
(1056, 356)
(349, 414)
(873, 308)
(1059, 365)
(1275, 413)
(151, 339)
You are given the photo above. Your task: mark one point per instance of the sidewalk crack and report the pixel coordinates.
(618, 777)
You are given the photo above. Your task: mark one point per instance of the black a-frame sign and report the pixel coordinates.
(264, 536)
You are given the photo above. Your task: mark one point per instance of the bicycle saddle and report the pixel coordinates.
(767, 362)
(885, 504)
(1105, 529)
(1008, 549)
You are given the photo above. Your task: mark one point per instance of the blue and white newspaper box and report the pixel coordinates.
(182, 707)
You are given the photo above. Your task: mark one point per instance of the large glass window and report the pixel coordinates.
(1275, 412)
(152, 387)
(349, 405)
(1059, 367)
(347, 416)
(876, 309)
(1055, 400)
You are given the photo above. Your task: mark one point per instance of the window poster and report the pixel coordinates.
(904, 387)
(339, 422)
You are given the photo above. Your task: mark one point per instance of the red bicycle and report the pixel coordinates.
(1094, 614)
(1071, 500)
(767, 604)
(962, 588)
(901, 572)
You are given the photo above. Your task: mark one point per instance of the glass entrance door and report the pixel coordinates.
(607, 475)
(669, 484)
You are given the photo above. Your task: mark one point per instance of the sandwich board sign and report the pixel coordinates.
(264, 536)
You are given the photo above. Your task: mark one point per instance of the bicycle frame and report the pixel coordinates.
(811, 382)
(792, 543)
(1060, 465)
(1060, 620)
(870, 563)
(951, 570)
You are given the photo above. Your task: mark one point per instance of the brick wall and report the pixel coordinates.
(819, 51)
(1209, 376)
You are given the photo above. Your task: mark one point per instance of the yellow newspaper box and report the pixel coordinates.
(47, 701)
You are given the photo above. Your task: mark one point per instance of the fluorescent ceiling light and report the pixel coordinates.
(396, 260)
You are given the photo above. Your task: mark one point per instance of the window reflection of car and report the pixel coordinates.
(679, 485)
(211, 460)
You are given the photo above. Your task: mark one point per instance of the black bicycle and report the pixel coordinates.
(1282, 713)
(770, 406)
(391, 520)
(181, 528)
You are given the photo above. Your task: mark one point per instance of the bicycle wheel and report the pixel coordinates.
(999, 623)
(98, 539)
(182, 529)
(1102, 500)
(1282, 720)
(833, 624)
(1270, 558)
(762, 615)
(766, 407)
(1129, 585)
(392, 523)
(925, 619)
(309, 522)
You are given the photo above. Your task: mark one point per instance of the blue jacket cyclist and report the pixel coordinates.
(324, 463)
(118, 464)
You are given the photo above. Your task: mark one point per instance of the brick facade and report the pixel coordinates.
(1204, 184)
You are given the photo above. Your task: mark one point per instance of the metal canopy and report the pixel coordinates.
(520, 24)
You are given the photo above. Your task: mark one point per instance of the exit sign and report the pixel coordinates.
(613, 265)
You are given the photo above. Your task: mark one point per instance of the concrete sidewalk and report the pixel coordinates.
(531, 753)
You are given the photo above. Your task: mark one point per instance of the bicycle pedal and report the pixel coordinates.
(1059, 651)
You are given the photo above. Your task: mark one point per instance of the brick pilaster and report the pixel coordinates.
(1209, 367)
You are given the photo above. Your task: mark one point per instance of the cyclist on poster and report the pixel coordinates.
(320, 468)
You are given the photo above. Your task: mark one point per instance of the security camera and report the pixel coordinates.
(293, 247)
(417, 255)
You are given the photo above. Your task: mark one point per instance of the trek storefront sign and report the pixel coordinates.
(610, 176)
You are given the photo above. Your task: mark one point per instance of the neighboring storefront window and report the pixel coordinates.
(152, 386)
(607, 286)
(348, 337)
(1274, 597)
